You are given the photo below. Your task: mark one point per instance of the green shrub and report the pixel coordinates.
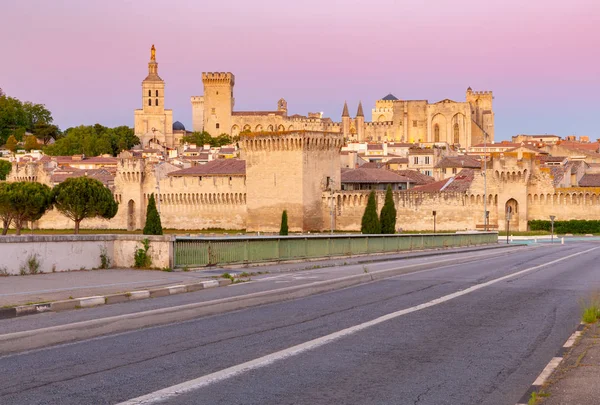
(284, 224)
(153, 225)
(388, 213)
(142, 259)
(104, 259)
(370, 221)
(576, 226)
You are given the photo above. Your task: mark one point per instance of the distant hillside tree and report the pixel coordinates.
(79, 198)
(370, 221)
(93, 140)
(153, 225)
(30, 143)
(12, 143)
(388, 213)
(5, 168)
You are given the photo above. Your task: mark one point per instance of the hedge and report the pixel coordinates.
(574, 226)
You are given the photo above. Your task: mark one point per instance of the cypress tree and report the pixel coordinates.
(370, 220)
(388, 213)
(284, 225)
(153, 225)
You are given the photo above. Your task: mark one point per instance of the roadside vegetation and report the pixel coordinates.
(591, 309)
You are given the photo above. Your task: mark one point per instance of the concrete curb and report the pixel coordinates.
(36, 338)
(88, 302)
(551, 366)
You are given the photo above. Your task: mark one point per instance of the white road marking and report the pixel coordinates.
(197, 383)
(547, 371)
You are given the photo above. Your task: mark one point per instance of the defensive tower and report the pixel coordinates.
(218, 102)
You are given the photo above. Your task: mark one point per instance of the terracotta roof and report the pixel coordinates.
(372, 165)
(459, 161)
(418, 177)
(547, 158)
(590, 147)
(397, 161)
(361, 175)
(227, 150)
(376, 146)
(418, 151)
(457, 184)
(60, 174)
(400, 145)
(590, 180)
(216, 167)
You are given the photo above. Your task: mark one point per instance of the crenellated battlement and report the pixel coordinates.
(197, 99)
(380, 124)
(291, 141)
(218, 77)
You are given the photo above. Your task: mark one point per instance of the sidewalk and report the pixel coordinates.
(48, 287)
(577, 380)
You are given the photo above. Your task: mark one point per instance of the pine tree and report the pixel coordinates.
(284, 225)
(370, 221)
(153, 225)
(388, 213)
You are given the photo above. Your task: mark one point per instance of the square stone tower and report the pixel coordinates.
(218, 102)
(290, 171)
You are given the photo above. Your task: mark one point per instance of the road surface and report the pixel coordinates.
(470, 332)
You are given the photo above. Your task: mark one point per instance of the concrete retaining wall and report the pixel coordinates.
(76, 252)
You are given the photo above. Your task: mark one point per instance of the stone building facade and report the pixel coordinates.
(393, 120)
(300, 172)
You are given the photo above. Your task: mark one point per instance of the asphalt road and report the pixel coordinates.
(466, 333)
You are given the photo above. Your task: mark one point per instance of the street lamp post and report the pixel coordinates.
(552, 217)
(434, 216)
(508, 212)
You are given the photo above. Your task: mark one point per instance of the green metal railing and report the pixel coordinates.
(204, 251)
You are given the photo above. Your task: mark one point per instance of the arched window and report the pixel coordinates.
(156, 93)
(149, 93)
(436, 133)
(456, 134)
(156, 102)
(149, 101)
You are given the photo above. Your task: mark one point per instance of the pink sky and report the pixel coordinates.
(86, 59)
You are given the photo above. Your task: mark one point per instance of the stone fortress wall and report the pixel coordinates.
(300, 172)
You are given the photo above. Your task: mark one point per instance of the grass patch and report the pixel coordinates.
(590, 309)
(141, 257)
(536, 397)
(227, 275)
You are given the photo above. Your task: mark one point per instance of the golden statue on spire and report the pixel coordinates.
(153, 53)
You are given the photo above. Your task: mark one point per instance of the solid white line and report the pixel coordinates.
(572, 339)
(547, 371)
(192, 385)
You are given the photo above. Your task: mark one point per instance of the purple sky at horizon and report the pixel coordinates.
(86, 59)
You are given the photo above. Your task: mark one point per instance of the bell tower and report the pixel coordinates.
(154, 123)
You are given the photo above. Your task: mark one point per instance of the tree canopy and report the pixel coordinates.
(5, 168)
(16, 117)
(82, 197)
(204, 138)
(370, 221)
(153, 225)
(12, 143)
(22, 202)
(93, 140)
(388, 213)
(30, 143)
